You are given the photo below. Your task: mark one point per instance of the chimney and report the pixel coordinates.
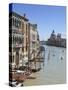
(24, 15)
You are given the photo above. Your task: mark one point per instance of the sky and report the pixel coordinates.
(47, 18)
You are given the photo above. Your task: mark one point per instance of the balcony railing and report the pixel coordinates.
(17, 45)
(17, 35)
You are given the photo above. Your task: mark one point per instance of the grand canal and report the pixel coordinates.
(54, 69)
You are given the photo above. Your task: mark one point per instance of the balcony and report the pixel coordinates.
(33, 41)
(17, 45)
(20, 35)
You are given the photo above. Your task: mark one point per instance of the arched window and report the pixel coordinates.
(19, 24)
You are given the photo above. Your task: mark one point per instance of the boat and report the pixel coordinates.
(61, 58)
(53, 54)
(31, 77)
(35, 70)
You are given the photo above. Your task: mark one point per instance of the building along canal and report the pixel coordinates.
(54, 69)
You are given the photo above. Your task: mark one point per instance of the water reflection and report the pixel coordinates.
(54, 70)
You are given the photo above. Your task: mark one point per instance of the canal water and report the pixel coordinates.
(54, 70)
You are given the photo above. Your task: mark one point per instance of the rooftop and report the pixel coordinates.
(20, 16)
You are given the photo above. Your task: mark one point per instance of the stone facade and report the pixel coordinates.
(24, 40)
(34, 44)
(16, 28)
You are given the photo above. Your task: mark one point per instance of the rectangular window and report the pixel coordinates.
(23, 26)
(13, 22)
(19, 24)
(26, 47)
(26, 29)
(33, 37)
(33, 45)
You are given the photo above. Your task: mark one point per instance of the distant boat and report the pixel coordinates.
(61, 58)
(53, 54)
(62, 50)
